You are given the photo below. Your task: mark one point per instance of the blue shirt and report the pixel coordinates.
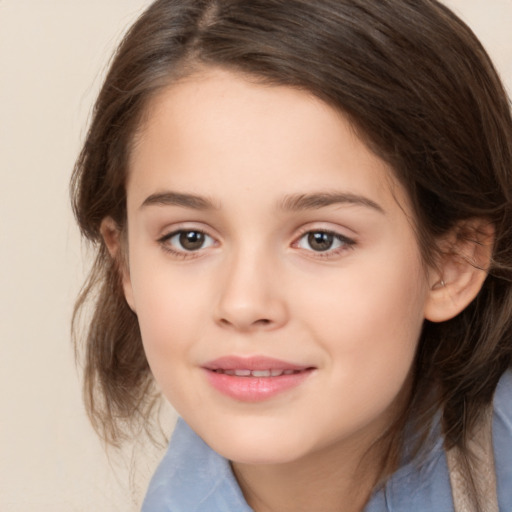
(194, 478)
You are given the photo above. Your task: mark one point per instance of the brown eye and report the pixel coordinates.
(320, 240)
(186, 240)
(191, 240)
(328, 242)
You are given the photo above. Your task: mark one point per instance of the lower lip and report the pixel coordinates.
(255, 389)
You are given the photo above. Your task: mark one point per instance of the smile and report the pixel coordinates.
(254, 379)
(257, 373)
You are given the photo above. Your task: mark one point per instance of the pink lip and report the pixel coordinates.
(254, 388)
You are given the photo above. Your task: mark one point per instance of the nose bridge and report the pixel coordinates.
(250, 294)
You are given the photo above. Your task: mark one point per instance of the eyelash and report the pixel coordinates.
(182, 253)
(346, 243)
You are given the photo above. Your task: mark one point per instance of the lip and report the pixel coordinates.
(250, 388)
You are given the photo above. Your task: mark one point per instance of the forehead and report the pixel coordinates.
(217, 128)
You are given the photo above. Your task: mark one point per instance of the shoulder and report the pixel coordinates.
(502, 439)
(420, 485)
(427, 487)
(192, 478)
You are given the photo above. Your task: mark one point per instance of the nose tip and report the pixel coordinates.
(251, 299)
(251, 316)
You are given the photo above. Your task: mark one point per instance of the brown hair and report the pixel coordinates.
(420, 90)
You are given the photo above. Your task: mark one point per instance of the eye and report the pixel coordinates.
(323, 241)
(187, 240)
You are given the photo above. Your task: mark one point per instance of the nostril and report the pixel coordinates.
(259, 322)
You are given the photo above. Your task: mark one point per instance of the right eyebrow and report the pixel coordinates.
(169, 198)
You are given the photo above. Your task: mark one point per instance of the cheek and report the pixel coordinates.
(166, 316)
(168, 320)
(371, 338)
(383, 292)
(371, 320)
(168, 306)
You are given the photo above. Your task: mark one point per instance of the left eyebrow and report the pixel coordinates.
(318, 200)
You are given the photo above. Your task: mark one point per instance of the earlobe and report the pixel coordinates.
(111, 234)
(465, 260)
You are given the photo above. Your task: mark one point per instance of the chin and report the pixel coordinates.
(257, 446)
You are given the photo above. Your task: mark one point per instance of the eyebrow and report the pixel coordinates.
(294, 202)
(192, 201)
(319, 200)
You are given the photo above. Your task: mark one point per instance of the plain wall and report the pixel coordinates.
(52, 57)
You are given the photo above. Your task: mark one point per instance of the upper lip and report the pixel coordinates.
(252, 363)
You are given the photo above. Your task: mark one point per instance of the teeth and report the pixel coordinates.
(257, 373)
(242, 373)
(260, 373)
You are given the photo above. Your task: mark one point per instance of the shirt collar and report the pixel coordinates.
(193, 478)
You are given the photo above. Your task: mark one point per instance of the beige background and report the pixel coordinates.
(52, 55)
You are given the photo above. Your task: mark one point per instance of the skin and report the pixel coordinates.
(257, 286)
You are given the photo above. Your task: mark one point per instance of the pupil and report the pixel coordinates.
(191, 240)
(319, 241)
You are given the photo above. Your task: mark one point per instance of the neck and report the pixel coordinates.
(330, 480)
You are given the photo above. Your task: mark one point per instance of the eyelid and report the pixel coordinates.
(163, 241)
(189, 225)
(348, 242)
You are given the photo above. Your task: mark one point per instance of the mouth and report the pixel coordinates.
(254, 379)
(257, 373)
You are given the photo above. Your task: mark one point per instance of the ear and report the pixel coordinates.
(464, 263)
(112, 237)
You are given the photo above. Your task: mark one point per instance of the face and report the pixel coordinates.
(273, 268)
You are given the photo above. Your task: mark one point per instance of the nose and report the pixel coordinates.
(251, 296)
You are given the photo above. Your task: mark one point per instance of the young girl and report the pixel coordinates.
(303, 219)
